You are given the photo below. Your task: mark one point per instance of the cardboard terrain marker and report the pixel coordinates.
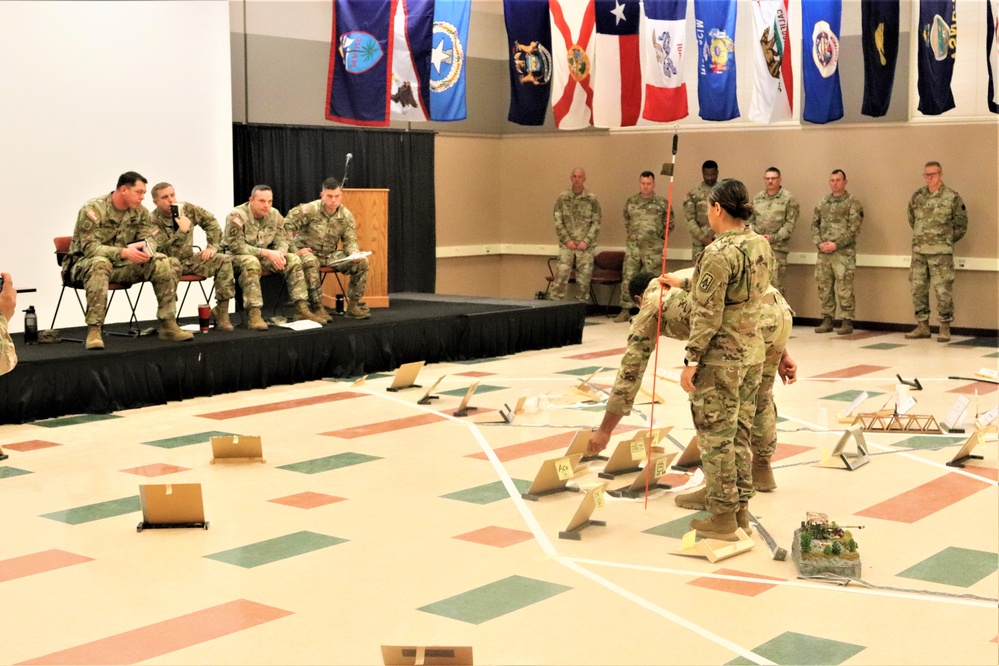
(425, 655)
(592, 500)
(237, 448)
(171, 505)
(405, 376)
(553, 477)
(839, 458)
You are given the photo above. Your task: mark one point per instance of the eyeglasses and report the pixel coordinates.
(931, 174)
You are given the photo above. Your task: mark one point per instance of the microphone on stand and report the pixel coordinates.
(346, 164)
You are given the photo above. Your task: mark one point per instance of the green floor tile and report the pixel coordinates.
(849, 396)
(792, 648)
(328, 463)
(582, 372)
(675, 529)
(489, 493)
(74, 420)
(476, 361)
(985, 341)
(960, 567)
(993, 355)
(481, 388)
(372, 376)
(929, 441)
(495, 599)
(8, 472)
(99, 511)
(279, 548)
(188, 440)
(883, 346)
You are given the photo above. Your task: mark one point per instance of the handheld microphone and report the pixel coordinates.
(346, 164)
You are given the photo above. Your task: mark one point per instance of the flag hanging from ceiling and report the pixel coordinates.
(664, 35)
(448, 59)
(529, 40)
(714, 25)
(936, 49)
(412, 29)
(992, 52)
(773, 93)
(572, 62)
(820, 25)
(360, 72)
(879, 27)
(617, 83)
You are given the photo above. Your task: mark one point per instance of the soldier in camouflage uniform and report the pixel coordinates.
(175, 239)
(938, 219)
(8, 305)
(317, 229)
(835, 226)
(108, 246)
(256, 240)
(577, 225)
(695, 210)
(645, 217)
(775, 212)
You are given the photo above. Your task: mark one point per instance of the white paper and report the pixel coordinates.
(303, 325)
(957, 411)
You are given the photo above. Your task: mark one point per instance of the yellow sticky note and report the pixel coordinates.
(660, 468)
(689, 539)
(598, 497)
(563, 467)
(637, 449)
(825, 454)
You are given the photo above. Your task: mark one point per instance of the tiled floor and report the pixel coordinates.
(376, 520)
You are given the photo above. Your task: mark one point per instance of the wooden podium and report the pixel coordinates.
(370, 209)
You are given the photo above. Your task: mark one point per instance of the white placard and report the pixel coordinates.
(857, 402)
(904, 407)
(953, 417)
(988, 417)
(988, 373)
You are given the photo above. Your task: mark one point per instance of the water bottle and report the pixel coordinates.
(30, 325)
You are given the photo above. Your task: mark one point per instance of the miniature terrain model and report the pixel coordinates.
(823, 547)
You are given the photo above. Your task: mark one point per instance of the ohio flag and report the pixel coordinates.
(572, 62)
(773, 93)
(820, 24)
(617, 82)
(664, 36)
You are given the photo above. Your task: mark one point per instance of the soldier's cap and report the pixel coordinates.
(49, 336)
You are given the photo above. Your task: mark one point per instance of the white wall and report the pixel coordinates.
(90, 90)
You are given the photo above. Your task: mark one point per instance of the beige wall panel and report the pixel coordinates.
(469, 276)
(468, 195)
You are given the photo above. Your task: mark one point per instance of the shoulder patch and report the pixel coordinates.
(235, 219)
(706, 282)
(92, 214)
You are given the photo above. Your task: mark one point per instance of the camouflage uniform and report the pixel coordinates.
(938, 220)
(102, 232)
(310, 226)
(837, 219)
(8, 357)
(776, 215)
(729, 284)
(645, 227)
(245, 238)
(577, 218)
(695, 210)
(176, 243)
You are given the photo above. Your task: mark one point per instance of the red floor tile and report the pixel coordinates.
(985, 472)
(744, 588)
(500, 537)
(384, 426)
(598, 354)
(308, 500)
(525, 449)
(30, 445)
(982, 388)
(474, 373)
(278, 406)
(852, 371)
(156, 469)
(36, 563)
(788, 450)
(926, 499)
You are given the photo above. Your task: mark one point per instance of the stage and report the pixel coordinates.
(54, 380)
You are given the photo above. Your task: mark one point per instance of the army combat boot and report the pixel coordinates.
(622, 316)
(320, 311)
(922, 330)
(169, 330)
(221, 314)
(826, 325)
(944, 334)
(254, 321)
(355, 311)
(94, 339)
(846, 328)
(763, 474)
(742, 518)
(693, 501)
(302, 312)
(717, 526)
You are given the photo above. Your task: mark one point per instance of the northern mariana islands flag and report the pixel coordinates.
(664, 34)
(448, 59)
(820, 23)
(360, 72)
(714, 25)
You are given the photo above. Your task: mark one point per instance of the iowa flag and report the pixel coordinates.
(572, 62)
(935, 52)
(879, 27)
(412, 30)
(617, 82)
(820, 25)
(529, 40)
(773, 93)
(664, 35)
(714, 25)
(360, 72)
(992, 49)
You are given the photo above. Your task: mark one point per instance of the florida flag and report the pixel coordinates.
(617, 83)
(572, 62)
(773, 94)
(664, 36)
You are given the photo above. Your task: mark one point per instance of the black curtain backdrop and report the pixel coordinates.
(295, 160)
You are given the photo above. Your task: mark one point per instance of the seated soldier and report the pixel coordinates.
(319, 227)
(108, 246)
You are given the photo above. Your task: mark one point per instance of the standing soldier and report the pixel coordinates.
(695, 210)
(645, 228)
(938, 220)
(834, 231)
(176, 240)
(256, 240)
(775, 212)
(317, 228)
(108, 246)
(577, 225)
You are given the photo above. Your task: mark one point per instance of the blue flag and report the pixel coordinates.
(714, 23)
(529, 40)
(360, 72)
(879, 26)
(448, 59)
(820, 24)
(992, 52)
(935, 52)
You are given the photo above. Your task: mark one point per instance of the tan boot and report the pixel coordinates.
(763, 474)
(254, 321)
(169, 330)
(846, 328)
(622, 316)
(94, 339)
(320, 311)
(742, 519)
(717, 526)
(302, 312)
(944, 334)
(826, 326)
(922, 330)
(221, 314)
(355, 311)
(693, 501)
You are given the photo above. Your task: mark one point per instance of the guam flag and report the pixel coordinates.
(714, 24)
(664, 36)
(529, 40)
(773, 93)
(412, 29)
(936, 48)
(992, 51)
(360, 73)
(617, 82)
(820, 24)
(448, 59)
(879, 26)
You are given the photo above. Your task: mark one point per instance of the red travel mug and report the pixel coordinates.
(204, 317)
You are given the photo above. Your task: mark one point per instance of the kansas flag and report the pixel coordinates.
(617, 82)
(357, 91)
(412, 30)
(529, 40)
(879, 25)
(714, 24)
(773, 94)
(820, 24)
(448, 59)
(664, 40)
(936, 48)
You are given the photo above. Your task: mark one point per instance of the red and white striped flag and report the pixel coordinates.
(572, 63)
(664, 34)
(618, 79)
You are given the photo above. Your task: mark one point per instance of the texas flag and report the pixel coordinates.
(572, 62)
(618, 81)
(773, 95)
(664, 34)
